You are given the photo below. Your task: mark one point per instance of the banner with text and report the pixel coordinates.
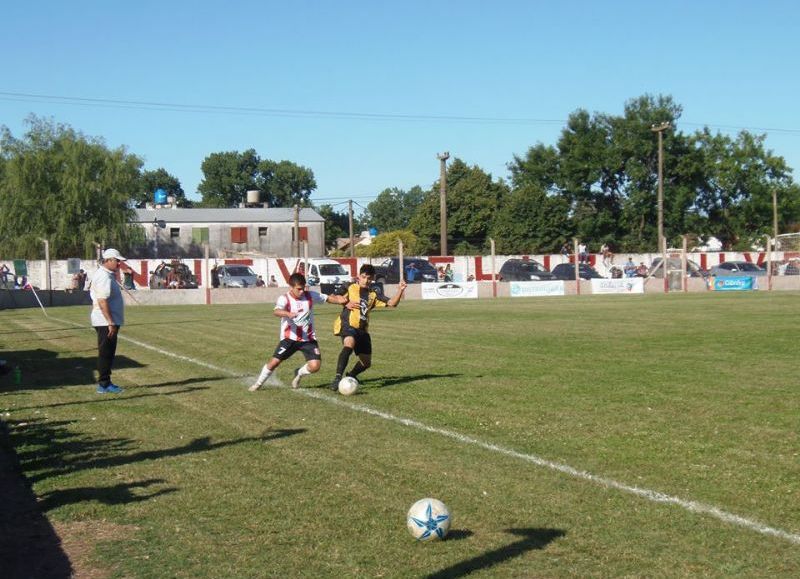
(524, 289)
(735, 284)
(625, 285)
(443, 291)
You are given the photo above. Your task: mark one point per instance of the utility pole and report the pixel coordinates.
(350, 224)
(774, 216)
(660, 129)
(443, 201)
(297, 229)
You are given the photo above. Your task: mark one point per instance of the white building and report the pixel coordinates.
(180, 232)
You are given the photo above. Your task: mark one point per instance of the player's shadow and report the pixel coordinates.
(531, 539)
(387, 381)
(95, 399)
(113, 495)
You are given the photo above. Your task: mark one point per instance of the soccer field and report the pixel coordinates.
(651, 435)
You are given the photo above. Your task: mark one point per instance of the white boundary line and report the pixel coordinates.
(652, 496)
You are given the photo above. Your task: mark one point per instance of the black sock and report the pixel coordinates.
(344, 356)
(357, 369)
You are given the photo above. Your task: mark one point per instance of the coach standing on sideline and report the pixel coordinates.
(108, 314)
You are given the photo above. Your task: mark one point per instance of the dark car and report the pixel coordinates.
(566, 271)
(174, 275)
(738, 268)
(416, 270)
(524, 270)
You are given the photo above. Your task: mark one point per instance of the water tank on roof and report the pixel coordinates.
(160, 196)
(253, 196)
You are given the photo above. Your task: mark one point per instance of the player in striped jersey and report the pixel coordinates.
(297, 333)
(352, 324)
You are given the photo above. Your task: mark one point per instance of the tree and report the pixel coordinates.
(393, 208)
(285, 183)
(227, 177)
(336, 225)
(531, 222)
(473, 198)
(159, 179)
(386, 244)
(60, 185)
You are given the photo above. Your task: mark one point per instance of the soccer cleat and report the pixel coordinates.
(297, 378)
(256, 385)
(335, 384)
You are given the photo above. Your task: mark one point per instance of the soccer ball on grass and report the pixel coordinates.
(428, 520)
(348, 385)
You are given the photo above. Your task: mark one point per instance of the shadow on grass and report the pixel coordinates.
(95, 399)
(532, 539)
(386, 381)
(113, 495)
(29, 546)
(53, 449)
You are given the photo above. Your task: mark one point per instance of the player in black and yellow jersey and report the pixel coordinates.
(352, 324)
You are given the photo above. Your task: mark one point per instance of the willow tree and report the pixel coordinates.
(60, 185)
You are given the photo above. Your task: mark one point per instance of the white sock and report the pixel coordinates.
(265, 373)
(304, 371)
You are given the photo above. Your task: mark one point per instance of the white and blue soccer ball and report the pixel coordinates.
(428, 520)
(348, 386)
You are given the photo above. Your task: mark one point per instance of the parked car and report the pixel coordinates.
(741, 268)
(524, 270)
(327, 271)
(566, 271)
(388, 271)
(235, 275)
(174, 275)
(674, 264)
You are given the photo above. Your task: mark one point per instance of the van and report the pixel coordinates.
(327, 272)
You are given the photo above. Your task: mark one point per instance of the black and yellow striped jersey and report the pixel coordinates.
(367, 299)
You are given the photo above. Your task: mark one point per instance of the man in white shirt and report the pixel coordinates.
(108, 315)
(297, 332)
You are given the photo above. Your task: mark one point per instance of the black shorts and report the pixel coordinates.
(286, 348)
(363, 341)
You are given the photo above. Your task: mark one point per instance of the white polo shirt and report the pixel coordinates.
(104, 286)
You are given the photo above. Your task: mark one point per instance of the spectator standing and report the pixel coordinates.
(260, 282)
(272, 281)
(214, 276)
(448, 273)
(108, 315)
(583, 256)
(565, 252)
(630, 268)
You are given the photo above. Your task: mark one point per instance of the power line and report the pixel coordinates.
(308, 113)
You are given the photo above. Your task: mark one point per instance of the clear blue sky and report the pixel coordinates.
(316, 70)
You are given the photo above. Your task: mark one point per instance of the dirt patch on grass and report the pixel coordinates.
(78, 540)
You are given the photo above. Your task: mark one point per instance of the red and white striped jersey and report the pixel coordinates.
(300, 328)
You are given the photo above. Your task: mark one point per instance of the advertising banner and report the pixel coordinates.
(735, 284)
(443, 291)
(524, 289)
(625, 285)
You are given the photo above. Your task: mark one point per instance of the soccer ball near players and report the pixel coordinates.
(348, 385)
(428, 520)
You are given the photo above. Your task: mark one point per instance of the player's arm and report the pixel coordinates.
(282, 309)
(395, 299)
(336, 299)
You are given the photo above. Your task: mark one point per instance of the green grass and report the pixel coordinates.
(694, 396)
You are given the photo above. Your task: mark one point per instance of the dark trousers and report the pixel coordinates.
(106, 349)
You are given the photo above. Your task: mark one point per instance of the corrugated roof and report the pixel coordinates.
(237, 215)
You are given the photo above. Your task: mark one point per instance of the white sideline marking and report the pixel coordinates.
(653, 496)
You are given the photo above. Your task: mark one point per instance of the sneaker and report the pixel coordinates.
(297, 378)
(335, 384)
(113, 389)
(101, 389)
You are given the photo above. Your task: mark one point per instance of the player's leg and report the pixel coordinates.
(313, 362)
(363, 350)
(348, 343)
(283, 350)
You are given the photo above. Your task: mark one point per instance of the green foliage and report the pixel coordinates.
(473, 199)
(336, 225)
(159, 179)
(531, 222)
(386, 244)
(227, 177)
(393, 208)
(70, 189)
